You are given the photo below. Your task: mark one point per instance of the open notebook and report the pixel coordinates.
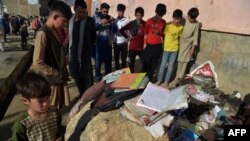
(160, 99)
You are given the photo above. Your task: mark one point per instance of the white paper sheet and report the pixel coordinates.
(153, 97)
(161, 99)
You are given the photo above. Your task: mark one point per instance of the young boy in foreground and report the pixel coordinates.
(41, 121)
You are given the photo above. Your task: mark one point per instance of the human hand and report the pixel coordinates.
(59, 139)
(144, 46)
(111, 19)
(104, 21)
(77, 107)
(191, 57)
(130, 37)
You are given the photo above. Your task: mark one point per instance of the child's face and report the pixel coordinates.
(191, 20)
(104, 11)
(176, 21)
(138, 16)
(39, 105)
(120, 13)
(80, 12)
(60, 22)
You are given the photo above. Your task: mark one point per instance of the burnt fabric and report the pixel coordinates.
(110, 101)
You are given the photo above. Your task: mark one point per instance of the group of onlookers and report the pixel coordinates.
(17, 24)
(150, 40)
(58, 45)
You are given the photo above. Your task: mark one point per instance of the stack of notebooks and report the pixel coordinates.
(124, 80)
(137, 114)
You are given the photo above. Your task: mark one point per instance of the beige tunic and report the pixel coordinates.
(189, 38)
(1, 38)
(59, 93)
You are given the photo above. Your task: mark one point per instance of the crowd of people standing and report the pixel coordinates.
(18, 25)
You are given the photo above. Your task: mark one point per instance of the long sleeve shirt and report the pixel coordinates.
(136, 39)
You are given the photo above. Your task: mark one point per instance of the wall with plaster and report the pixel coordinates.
(216, 15)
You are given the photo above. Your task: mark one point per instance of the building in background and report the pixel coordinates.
(21, 7)
(2, 7)
(37, 7)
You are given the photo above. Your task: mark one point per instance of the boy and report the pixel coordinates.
(103, 24)
(24, 35)
(136, 36)
(188, 42)
(41, 121)
(172, 33)
(49, 53)
(120, 42)
(153, 37)
(35, 25)
(82, 37)
(1, 36)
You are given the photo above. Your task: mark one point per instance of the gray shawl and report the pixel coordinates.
(82, 29)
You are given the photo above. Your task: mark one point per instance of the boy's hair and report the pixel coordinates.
(59, 6)
(161, 9)
(105, 5)
(193, 13)
(80, 3)
(33, 85)
(177, 14)
(107, 17)
(121, 7)
(139, 10)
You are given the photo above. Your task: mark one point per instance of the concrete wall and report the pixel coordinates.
(217, 15)
(21, 7)
(230, 55)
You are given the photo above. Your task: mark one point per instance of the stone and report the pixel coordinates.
(110, 126)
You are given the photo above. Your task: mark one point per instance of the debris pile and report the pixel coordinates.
(195, 109)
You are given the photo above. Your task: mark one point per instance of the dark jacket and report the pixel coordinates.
(83, 69)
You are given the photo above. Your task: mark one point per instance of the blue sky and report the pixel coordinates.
(33, 1)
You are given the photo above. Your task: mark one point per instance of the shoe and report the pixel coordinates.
(164, 85)
(158, 83)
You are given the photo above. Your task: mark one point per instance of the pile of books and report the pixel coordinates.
(150, 108)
